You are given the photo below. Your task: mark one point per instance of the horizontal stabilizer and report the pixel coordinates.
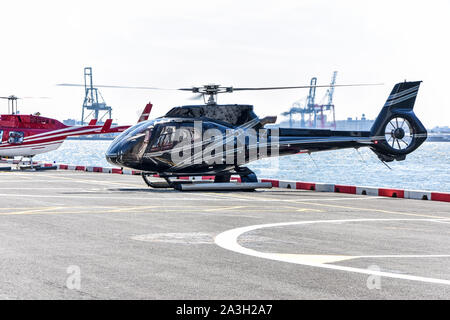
(267, 120)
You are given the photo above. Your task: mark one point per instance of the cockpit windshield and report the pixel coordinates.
(138, 128)
(132, 133)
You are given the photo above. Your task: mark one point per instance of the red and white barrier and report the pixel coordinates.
(305, 186)
(417, 194)
(286, 184)
(440, 196)
(369, 191)
(324, 187)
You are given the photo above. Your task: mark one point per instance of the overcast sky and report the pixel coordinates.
(239, 43)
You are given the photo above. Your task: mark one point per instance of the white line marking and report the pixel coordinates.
(237, 196)
(443, 221)
(228, 240)
(55, 188)
(405, 256)
(113, 196)
(144, 197)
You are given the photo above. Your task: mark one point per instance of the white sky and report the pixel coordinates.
(239, 43)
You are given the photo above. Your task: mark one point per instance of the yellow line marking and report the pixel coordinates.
(132, 208)
(184, 208)
(143, 209)
(241, 197)
(228, 195)
(100, 182)
(371, 210)
(223, 208)
(32, 211)
(112, 209)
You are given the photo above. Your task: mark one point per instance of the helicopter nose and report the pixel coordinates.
(112, 154)
(112, 159)
(122, 152)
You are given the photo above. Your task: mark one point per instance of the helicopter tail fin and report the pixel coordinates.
(145, 114)
(106, 126)
(397, 131)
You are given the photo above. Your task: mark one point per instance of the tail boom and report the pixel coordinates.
(395, 133)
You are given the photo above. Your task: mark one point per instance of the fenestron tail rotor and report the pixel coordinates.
(399, 133)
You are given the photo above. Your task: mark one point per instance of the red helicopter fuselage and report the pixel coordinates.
(28, 135)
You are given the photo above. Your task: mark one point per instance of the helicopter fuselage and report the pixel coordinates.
(29, 135)
(217, 139)
(198, 146)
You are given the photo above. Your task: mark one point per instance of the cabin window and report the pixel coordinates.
(185, 134)
(165, 139)
(15, 137)
(1, 136)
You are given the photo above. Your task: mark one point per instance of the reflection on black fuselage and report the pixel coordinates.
(177, 145)
(150, 146)
(121, 152)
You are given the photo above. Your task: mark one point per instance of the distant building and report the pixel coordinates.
(356, 124)
(445, 129)
(70, 122)
(350, 124)
(73, 122)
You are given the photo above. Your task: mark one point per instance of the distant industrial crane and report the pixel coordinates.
(317, 117)
(91, 100)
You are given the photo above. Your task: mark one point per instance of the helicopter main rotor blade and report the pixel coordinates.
(306, 87)
(34, 98)
(113, 86)
(214, 89)
(16, 98)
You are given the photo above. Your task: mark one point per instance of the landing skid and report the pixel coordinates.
(37, 168)
(224, 186)
(249, 182)
(168, 183)
(26, 165)
(29, 165)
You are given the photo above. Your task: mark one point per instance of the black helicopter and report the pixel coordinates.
(219, 139)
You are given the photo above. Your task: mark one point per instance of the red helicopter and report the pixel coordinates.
(28, 135)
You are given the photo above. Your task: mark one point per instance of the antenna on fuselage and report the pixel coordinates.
(12, 104)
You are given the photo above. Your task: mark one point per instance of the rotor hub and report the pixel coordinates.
(398, 133)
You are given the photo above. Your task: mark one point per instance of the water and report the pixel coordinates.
(428, 168)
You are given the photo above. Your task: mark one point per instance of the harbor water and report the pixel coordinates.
(428, 168)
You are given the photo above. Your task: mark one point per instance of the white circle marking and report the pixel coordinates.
(228, 240)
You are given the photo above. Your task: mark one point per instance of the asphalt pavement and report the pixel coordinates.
(78, 235)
